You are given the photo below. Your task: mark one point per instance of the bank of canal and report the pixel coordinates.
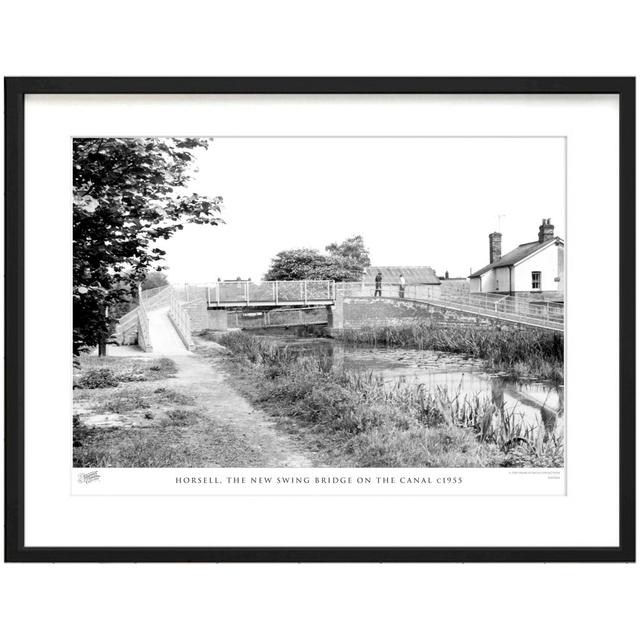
(535, 402)
(402, 391)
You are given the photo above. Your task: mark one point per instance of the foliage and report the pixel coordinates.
(343, 262)
(532, 353)
(351, 250)
(98, 373)
(127, 194)
(154, 279)
(376, 424)
(97, 379)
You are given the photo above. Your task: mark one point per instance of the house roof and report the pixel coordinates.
(412, 275)
(518, 254)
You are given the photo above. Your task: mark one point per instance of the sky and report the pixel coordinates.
(416, 201)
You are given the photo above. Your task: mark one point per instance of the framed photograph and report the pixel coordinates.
(320, 319)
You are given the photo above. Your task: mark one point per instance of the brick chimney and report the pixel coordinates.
(495, 246)
(545, 230)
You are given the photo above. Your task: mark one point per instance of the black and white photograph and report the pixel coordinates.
(320, 319)
(290, 302)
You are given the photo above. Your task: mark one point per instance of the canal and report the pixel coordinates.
(537, 403)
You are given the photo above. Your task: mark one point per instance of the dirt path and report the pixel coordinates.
(230, 431)
(234, 433)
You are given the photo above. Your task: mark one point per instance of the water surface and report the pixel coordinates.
(538, 403)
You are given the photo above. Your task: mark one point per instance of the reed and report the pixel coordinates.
(370, 423)
(530, 353)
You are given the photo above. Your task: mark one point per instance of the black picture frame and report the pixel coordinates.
(15, 91)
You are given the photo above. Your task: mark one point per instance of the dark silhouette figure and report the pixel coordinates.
(378, 291)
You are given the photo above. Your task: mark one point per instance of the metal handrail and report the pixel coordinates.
(181, 321)
(548, 314)
(246, 292)
(286, 292)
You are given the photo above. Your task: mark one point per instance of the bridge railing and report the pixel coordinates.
(144, 338)
(547, 312)
(388, 290)
(543, 313)
(181, 321)
(271, 292)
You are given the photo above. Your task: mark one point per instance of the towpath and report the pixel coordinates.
(232, 433)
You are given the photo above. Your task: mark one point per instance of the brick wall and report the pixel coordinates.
(202, 318)
(362, 312)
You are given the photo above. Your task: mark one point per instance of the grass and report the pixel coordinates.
(156, 416)
(530, 353)
(95, 448)
(359, 421)
(98, 373)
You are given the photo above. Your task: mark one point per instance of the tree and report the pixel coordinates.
(130, 299)
(352, 250)
(127, 193)
(154, 279)
(344, 262)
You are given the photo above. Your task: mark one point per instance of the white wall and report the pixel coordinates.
(546, 261)
(501, 280)
(549, 261)
(487, 282)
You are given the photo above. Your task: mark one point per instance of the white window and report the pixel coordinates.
(536, 277)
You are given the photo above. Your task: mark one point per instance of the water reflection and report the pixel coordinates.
(537, 403)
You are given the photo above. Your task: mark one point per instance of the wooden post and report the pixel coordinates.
(305, 292)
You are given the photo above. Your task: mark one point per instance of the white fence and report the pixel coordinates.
(271, 293)
(181, 322)
(144, 339)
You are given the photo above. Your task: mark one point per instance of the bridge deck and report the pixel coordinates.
(317, 293)
(283, 293)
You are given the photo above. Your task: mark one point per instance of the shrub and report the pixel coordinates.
(98, 378)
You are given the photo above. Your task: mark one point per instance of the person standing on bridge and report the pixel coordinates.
(378, 291)
(403, 283)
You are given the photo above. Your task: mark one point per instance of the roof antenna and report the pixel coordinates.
(502, 215)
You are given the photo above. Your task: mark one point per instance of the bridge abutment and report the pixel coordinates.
(335, 315)
(202, 318)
